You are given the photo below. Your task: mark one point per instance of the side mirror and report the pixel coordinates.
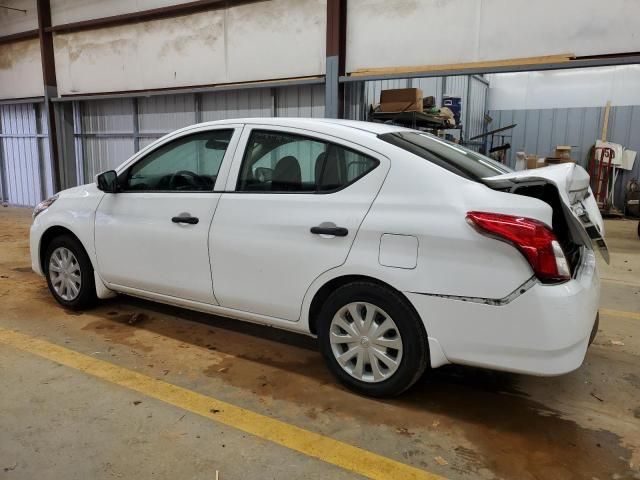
(108, 181)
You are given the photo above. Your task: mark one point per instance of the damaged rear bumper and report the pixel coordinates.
(543, 331)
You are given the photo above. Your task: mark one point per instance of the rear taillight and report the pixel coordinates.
(533, 238)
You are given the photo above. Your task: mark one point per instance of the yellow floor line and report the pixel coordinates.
(332, 451)
(620, 313)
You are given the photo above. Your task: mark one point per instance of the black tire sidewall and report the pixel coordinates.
(415, 355)
(87, 295)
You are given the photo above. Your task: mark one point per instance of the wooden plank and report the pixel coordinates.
(462, 66)
(605, 122)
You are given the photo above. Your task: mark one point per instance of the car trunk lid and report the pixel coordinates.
(578, 204)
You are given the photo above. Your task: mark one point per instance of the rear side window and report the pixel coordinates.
(279, 162)
(456, 159)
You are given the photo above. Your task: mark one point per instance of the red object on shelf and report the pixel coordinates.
(600, 170)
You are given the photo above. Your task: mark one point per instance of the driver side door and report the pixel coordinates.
(152, 236)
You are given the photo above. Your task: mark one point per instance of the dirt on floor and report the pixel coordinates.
(481, 423)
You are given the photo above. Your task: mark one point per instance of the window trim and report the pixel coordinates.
(329, 144)
(124, 170)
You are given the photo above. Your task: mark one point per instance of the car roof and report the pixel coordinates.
(319, 124)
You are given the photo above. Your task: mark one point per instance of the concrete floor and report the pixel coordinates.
(57, 422)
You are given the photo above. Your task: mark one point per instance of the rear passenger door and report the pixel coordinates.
(296, 202)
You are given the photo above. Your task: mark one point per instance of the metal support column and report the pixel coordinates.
(274, 102)
(335, 57)
(50, 84)
(4, 195)
(136, 127)
(197, 98)
(41, 156)
(79, 147)
(467, 110)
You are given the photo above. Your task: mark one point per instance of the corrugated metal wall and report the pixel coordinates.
(237, 104)
(539, 131)
(105, 134)
(25, 175)
(300, 101)
(110, 131)
(359, 96)
(476, 106)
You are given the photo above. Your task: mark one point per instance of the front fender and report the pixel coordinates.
(74, 211)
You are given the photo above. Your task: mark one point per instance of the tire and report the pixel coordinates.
(360, 375)
(594, 330)
(85, 296)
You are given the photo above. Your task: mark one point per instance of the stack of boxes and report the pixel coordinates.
(562, 154)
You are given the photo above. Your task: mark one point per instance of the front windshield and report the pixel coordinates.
(451, 156)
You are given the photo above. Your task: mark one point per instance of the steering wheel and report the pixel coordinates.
(185, 178)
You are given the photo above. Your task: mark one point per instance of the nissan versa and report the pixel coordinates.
(398, 250)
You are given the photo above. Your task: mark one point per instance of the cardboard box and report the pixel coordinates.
(429, 102)
(532, 161)
(562, 151)
(401, 100)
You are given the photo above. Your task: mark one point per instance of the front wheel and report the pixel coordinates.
(372, 339)
(69, 273)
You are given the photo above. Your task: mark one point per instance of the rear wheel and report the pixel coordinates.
(69, 273)
(372, 340)
(594, 330)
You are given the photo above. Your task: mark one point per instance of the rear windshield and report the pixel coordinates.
(453, 157)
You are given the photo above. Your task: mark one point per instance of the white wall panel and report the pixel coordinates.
(382, 33)
(16, 22)
(258, 41)
(436, 32)
(20, 70)
(276, 39)
(547, 27)
(574, 88)
(176, 52)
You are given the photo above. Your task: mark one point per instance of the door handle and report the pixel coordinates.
(185, 219)
(335, 231)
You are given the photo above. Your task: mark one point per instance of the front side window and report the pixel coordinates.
(283, 162)
(188, 164)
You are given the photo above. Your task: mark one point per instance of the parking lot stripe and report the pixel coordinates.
(341, 454)
(620, 313)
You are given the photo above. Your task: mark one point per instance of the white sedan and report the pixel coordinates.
(400, 251)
